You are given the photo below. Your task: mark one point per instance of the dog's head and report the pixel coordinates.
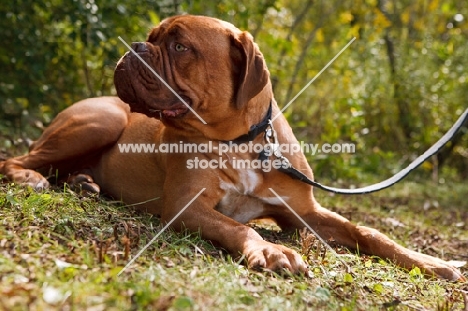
(209, 63)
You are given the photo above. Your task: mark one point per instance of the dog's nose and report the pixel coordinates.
(139, 47)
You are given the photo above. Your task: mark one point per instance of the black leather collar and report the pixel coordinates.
(255, 129)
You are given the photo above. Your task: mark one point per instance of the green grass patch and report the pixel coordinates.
(62, 251)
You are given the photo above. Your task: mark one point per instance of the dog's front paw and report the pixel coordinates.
(437, 267)
(30, 178)
(266, 255)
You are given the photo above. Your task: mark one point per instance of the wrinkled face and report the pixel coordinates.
(204, 60)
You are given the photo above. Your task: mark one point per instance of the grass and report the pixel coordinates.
(62, 251)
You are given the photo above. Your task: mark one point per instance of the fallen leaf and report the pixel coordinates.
(62, 264)
(393, 222)
(53, 295)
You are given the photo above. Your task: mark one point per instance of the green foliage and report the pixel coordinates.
(393, 92)
(393, 105)
(59, 52)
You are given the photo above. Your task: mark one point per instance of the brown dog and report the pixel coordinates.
(219, 71)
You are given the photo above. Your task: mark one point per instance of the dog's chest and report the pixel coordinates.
(241, 201)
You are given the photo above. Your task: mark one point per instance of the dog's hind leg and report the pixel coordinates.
(76, 136)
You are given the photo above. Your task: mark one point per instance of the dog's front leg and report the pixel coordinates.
(331, 226)
(235, 237)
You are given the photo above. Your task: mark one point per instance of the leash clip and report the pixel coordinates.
(272, 145)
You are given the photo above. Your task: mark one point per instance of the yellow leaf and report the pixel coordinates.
(378, 288)
(433, 5)
(319, 35)
(405, 17)
(419, 25)
(346, 17)
(354, 31)
(380, 21)
(348, 278)
(154, 18)
(427, 165)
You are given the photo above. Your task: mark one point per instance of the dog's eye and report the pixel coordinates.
(179, 47)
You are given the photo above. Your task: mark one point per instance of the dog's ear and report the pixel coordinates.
(250, 71)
